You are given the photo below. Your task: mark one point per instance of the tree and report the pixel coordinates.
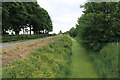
(73, 32)
(60, 32)
(99, 24)
(5, 18)
(16, 16)
(19, 15)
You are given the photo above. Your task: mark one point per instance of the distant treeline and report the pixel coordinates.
(19, 16)
(99, 25)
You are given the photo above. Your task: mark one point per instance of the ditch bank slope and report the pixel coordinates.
(81, 66)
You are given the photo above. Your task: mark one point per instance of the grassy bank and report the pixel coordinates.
(51, 61)
(107, 60)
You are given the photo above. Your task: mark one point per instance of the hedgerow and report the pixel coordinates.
(10, 38)
(50, 61)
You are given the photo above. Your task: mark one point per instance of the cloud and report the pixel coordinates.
(64, 13)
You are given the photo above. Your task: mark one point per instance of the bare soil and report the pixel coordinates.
(12, 53)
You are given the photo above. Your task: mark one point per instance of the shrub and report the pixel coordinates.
(73, 32)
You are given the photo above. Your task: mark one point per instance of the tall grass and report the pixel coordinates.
(106, 60)
(51, 61)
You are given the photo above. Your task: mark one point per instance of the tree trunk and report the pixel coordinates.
(17, 32)
(46, 32)
(23, 31)
(43, 32)
(30, 28)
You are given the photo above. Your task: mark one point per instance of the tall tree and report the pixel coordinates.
(20, 15)
(99, 24)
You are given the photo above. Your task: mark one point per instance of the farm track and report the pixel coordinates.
(12, 53)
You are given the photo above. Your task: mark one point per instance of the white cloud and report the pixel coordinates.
(64, 13)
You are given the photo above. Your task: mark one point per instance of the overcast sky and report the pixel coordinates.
(64, 13)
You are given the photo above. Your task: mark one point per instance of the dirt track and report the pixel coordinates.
(12, 53)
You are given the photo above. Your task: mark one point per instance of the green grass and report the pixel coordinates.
(48, 62)
(82, 66)
(107, 60)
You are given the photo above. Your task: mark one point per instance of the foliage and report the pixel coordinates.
(100, 24)
(73, 32)
(98, 29)
(20, 15)
(106, 60)
(50, 61)
(60, 32)
(10, 38)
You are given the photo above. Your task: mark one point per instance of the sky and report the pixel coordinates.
(64, 13)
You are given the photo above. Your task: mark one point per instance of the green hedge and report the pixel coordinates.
(51, 61)
(10, 38)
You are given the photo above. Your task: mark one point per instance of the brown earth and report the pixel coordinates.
(13, 53)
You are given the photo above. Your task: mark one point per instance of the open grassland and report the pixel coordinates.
(50, 61)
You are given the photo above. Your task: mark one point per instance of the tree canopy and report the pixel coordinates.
(100, 24)
(17, 16)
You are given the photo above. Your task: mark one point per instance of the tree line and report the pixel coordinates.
(18, 16)
(99, 25)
